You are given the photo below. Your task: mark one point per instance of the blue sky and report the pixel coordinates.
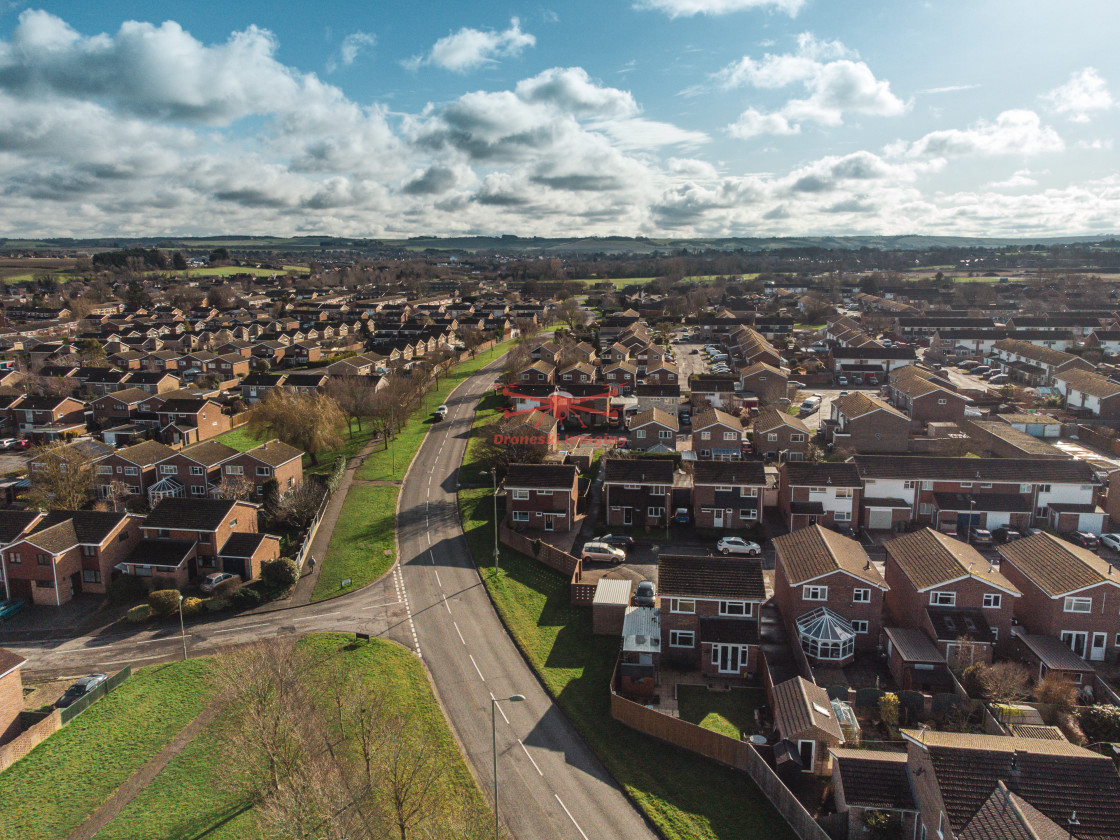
(631, 117)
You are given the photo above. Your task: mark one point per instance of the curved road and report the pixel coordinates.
(550, 783)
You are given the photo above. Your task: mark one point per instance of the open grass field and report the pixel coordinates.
(687, 797)
(362, 547)
(47, 794)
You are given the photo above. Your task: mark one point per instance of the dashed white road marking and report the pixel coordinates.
(438, 581)
(535, 767)
(499, 707)
(242, 627)
(313, 617)
(379, 606)
(460, 632)
(447, 605)
(475, 664)
(175, 638)
(402, 594)
(569, 813)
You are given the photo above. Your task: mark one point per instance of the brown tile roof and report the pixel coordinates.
(769, 419)
(1089, 382)
(9, 660)
(146, 453)
(1056, 566)
(1000, 470)
(209, 452)
(800, 706)
(857, 404)
(654, 415)
(729, 473)
(274, 453)
(542, 476)
(821, 474)
(1035, 352)
(809, 553)
(929, 558)
(710, 577)
(638, 471)
(15, 522)
(874, 779)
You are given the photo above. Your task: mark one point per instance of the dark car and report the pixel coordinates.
(79, 690)
(1006, 534)
(644, 596)
(621, 540)
(1083, 539)
(843, 530)
(686, 419)
(979, 536)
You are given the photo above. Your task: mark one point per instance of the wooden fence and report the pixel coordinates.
(581, 594)
(728, 751)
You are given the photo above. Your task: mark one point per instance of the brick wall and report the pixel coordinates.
(11, 704)
(30, 738)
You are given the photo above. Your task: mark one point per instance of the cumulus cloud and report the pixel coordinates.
(352, 46)
(470, 48)
(1085, 94)
(835, 82)
(1015, 132)
(1020, 178)
(691, 8)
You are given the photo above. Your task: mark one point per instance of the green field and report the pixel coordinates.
(48, 793)
(362, 547)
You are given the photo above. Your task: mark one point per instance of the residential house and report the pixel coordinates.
(710, 391)
(717, 435)
(728, 494)
(710, 614)
(186, 420)
(829, 593)
(49, 418)
(67, 552)
(1088, 392)
(134, 466)
(637, 492)
(925, 396)
(766, 382)
(542, 496)
(653, 430)
(868, 364)
(661, 372)
(826, 493)
(193, 471)
(862, 423)
(578, 372)
(118, 407)
(152, 382)
(870, 781)
(272, 460)
(538, 373)
(948, 590)
(781, 436)
(665, 397)
(1035, 365)
(623, 375)
(257, 386)
(1069, 593)
(805, 719)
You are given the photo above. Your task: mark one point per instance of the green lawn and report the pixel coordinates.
(725, 712)
(47, 794)
(239, 439)
(192, 797)
(362, 547)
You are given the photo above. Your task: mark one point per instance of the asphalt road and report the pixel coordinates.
(550, 783)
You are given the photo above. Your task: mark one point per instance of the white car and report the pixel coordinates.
(738, 545)
(1111, 541)
(212, 581)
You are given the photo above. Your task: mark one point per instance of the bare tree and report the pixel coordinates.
(472, 337)
(569, 312)
(61, 476)
(355, 396)
(234, 488)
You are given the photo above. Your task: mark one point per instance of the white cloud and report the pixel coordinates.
(1021, 178)
(835, 82)
(352, 46)
(470, 48)
(1083, 95)
(1015, 132)
(690, 8)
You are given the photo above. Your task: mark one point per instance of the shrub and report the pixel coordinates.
(227, 587)
(140, 614)
(124, 589)
(888, 710)
(191, 606)
(216, 604)
(246, 598)
(1100, 723)
(164, 602)
(280, 574)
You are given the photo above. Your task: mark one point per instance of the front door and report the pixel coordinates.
(717, 518)
(549, 520)
(1096, 650)
(726, 658)
(627, 516)
(1077, 640)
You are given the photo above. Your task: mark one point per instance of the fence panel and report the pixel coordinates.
(79, 706)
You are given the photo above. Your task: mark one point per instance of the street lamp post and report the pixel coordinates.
(494, 483)
(494, 701)
(182, 627)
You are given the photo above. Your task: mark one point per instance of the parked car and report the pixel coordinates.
(1006, 534)
(1083, 539)
(811, 404)
(738, 545)
(645, 595)
(21, 444)
(6, 443)
(999, 379)
(595, 550)
(682, 516)
(842, 381)
(842, 529)
(695, 353)
(79, 690)
(686, 419)
(211, 581)
(979, 536)
(621, 540)
(873, 380)
(1111, 541)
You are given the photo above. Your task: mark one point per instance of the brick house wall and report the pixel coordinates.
(699, 655)
(704, 508)
(716, 439)
(241, 519)
(1046, 616)
(878, 432)
(929, 408)
(101, 559)
(788, 493)
(11, 704)
(288, 476)
(194, 486)
(841, 589)
(136, 477)
(617, 499)
(785, 439)
(652, 437)
(560, 504)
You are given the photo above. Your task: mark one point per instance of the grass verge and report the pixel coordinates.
(49, 792)
(362, 547)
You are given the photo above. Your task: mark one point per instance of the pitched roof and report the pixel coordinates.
(127, 395)
(146, 453)
(770, 418)
(15, 522)
(87, 526)
(1089, 382)
(1007, 470)
(821, 474)
(1056, 566)
(638, 471)
(857, 404)
(712, 416)
(929, 558)
(710, 577)
(800, 706)
(274, 453)
(654, 415)
(9, 661)
(728, 472)
(192, 514)
(208, 452)
(544, 476)
(873, 779)
(809, 553)
(242, 545)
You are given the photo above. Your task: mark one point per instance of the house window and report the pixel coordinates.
(165, 469)
(705, 436)
(640, 434)
(89, 551)
(131, 471)
(91, 576)
(814, 593)
(197, 471)
(142, 571)
(264, 470)
(818, 489)
(992, 601)
(655, 512)
(544, 492)
(909, 485)
(723, 488)
(843, 492)
(842, 515)
(795, 438)
(104, 470)
(521, 516)
(682, 639)
(942, 401)
(925, 509)
(43, 559)
(966, 485)
(521, 495)
(14, 558)
(773, 436)
(943, 599)
(734, 608)
(730, 435)
(45, 584)
(234, 470)
(927, 485)
(859, 626)
(198, 490)
(682, 605)
(1079, 605)
(665, 434)
(861, 596)
(748, 514)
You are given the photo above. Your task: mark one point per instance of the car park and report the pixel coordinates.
(979, 536)
(1083, 539)
(621, 540)
(213, 580)
(738, 545)
(79, 690)
(602, 551)
(645, 595)
(1111, 541)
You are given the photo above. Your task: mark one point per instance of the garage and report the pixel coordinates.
(879, 519)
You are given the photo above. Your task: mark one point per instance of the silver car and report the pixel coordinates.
(595, 550)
